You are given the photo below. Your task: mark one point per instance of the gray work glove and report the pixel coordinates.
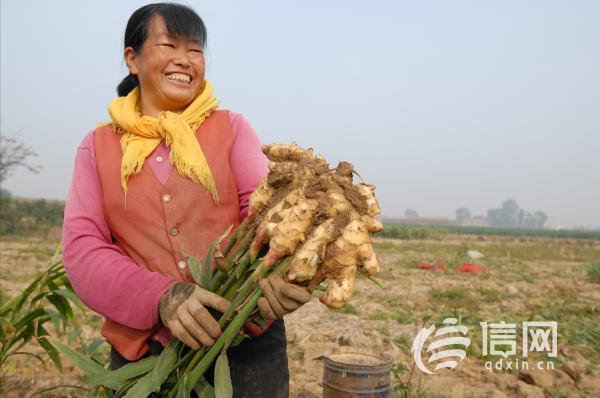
(280, 297)
(183, 310)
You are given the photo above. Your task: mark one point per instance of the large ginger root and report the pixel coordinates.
(317, 216)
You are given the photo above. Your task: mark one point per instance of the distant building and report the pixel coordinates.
(477, 221)
(428, 220)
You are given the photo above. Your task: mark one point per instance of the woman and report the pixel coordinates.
(167, 177)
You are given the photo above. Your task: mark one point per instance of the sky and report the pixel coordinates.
(440, 104)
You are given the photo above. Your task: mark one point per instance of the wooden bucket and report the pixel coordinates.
(356, 373)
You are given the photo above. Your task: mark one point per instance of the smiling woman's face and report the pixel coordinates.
(170, 70)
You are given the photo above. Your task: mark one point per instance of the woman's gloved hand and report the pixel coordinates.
(183, 309)
(280, 297)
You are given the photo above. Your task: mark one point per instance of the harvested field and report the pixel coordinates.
(530, 279)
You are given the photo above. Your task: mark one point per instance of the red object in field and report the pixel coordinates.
(431, 267)
(471, 268)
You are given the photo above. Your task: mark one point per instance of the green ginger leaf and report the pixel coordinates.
(152, 381)
(223, 385)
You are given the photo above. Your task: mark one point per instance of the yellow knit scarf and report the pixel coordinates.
(142, 134)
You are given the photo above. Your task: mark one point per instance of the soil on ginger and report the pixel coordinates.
(530, 279)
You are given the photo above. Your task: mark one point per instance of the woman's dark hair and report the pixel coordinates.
(181, 21)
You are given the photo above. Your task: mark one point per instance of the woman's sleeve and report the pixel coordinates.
(249, 164)
(103, 276)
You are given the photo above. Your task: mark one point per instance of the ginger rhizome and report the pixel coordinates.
(316, 216)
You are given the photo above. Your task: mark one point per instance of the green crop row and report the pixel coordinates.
(407, 232)
(411, 231)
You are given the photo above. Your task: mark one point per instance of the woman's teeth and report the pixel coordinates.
(179, 78)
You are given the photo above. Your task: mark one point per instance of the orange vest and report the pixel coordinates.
(159, 224)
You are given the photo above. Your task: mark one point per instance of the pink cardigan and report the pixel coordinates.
(131, 295)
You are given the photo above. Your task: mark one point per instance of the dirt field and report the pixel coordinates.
(530, 279)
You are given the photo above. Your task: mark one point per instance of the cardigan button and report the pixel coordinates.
(173, 231)
(166, 198)
(159, 158)
(181, 264)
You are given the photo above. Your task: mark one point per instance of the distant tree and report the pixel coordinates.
(528, 221)
(510, 213)
(511, 216)
(535, 220)
(495, 218)
(521, 217)
(462, 214)
(540, 219)
(14, 154)
(410, 213)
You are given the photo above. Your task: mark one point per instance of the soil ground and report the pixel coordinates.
(530, 279)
